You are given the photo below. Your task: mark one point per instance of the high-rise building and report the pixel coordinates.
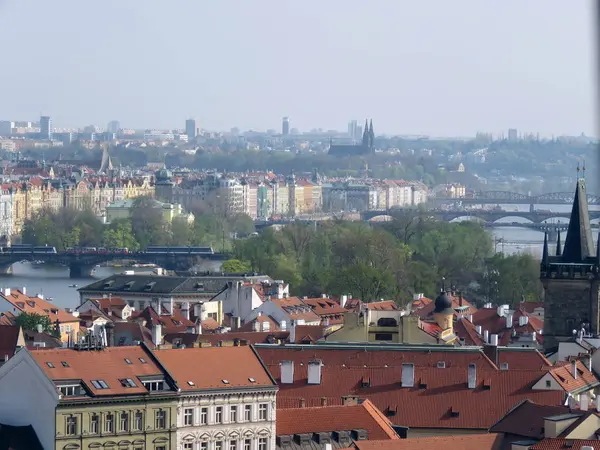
(352, 128)
(512, 134)
(190, 129)
(113, 126)
(45, 127)
(285, 126)
(358, 132)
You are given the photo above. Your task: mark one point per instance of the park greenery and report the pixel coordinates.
(146, 226)
(30, 322)
(411, 254)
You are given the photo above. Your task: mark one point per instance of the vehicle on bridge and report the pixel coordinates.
(28, 249)
(155, 250)
(98, 250)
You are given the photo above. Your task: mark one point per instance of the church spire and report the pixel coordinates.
(558, 248)
(579, 244)
(365, 140)
(371, 135)
(545, 250)
(598, 250)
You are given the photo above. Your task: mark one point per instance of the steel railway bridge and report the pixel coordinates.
(506, 197)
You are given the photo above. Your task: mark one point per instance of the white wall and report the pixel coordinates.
(239, 300)
(28, 397)
(227, 430)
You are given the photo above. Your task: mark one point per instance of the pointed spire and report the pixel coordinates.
(558, 248)
(579, 244)
(545, 250)
(365, 139)
(598, 250)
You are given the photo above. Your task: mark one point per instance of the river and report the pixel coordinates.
(54, 281)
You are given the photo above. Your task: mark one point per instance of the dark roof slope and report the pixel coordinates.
(527, 419)
(579, 244)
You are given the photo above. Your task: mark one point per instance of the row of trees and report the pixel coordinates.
(411, 254)
(145, 226)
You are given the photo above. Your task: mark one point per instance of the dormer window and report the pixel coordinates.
(155, 385)
(149, 286)
(128, 285)
(99, 384)
(128, 382)
(441, 364)
(71, 390)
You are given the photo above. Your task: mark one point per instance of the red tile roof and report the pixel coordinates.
(39, 306)
(440, 398)
(218, 339)
(326, 308)
(459, 442)
(332, 418)
(214, 367)
(261, 320)
(175, 323)
(424, 307)
(489, 320)
(560, 444)
(9, 337)
(295, 309)
(108, 365)
(563, 375)
(308, 334)
(529, 307)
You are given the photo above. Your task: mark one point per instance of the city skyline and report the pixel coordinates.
(470, 75)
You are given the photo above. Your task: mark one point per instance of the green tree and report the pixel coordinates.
(236, 266)
(30, 322)
(148, 223)
(119, 234)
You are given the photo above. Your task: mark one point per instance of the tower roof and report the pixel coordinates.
(579, 244)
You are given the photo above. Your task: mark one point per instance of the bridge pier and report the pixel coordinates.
(78, 270)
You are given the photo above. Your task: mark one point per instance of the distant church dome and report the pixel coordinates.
(163, 174)
(443, 302)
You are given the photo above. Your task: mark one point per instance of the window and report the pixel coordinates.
(161, 419)
(160, 447)
(94, 424)
(128, 382)
(204, 416)
(233, 414)
(109, 423)
(248, 413)
(64, 364)
(384, 337)
(99, 384)
(69, 391)
(262, 411)
(247, 444)
(548, 383)
(203, 445)
(124, 422)
(71, 428)
(232, 445)
(188, 416)
(154, 385)
(188, 446)
(142, 360)
(128, 361)
(219, 414)
(49, 364)
(138, 421)
(262, 443)
(219, 445)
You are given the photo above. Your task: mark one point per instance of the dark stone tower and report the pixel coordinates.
(365, 140)
(371, 136)
(571, 278)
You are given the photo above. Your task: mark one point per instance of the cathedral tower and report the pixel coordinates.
(571, 278)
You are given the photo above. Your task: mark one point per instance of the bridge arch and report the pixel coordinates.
(467, 218)
(511, 219)
(555, 220)
(381, 218)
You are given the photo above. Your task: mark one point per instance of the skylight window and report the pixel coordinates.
(225, 381)
(65, 364)
(49, 364)
(251, 380)
(99, 384)
(128, 361)
(142, 360)
(128, 382)
(191, 383)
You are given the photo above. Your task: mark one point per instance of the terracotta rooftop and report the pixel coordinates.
(457, 442)
(39, 306)
(218, 339)
(308, 334)
(439, 398)
(9, 339)
(354, 304)
(261, 320)
(295, 309)
(570, 444)
(332, 418)
(424, 306)
(529, 307)
(214, 367)
(326, 308)
(174, 323)
(564, 377)
(109, 365)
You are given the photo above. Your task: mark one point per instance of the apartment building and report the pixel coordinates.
(114, 397)
(227, 399)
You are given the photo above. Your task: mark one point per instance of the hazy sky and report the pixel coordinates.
(442, 67)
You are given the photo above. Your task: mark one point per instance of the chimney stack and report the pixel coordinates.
(302, 403)
(574, 369)
(509, 318)
(293, 332)
(494, 340)
(343, 300)
(314, 371)
(323, 401)
(157, 334)
(472, 376)
(523, 320)
(486, 336)
(24, 290)
(478, 329)
(287, 372)
(185, 310)
(408, 375)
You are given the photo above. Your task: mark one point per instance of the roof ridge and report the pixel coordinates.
(379, 416)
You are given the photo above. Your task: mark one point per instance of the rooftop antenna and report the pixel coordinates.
(578, 169)
(583, 170)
